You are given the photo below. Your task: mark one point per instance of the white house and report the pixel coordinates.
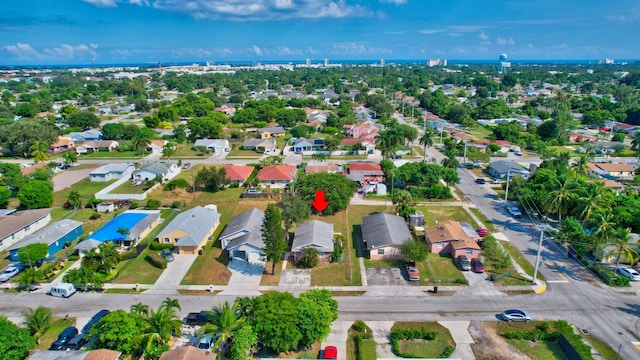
(112, 171)
(214, 145)
(242, 237)
(165, 169)
(14, 226)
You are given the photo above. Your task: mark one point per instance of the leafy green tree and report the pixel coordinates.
(274, 317)
(274, 243)
(592, 196)
(30, 276)
(102, 259)
(5, 197)
(83, 119)
(36, 194)
(316, 311)
(211, 179)
(15, 342)
(117, 330)
(38, 321)
(75, 199)
(40, 151)
(295, 210)
(18, 136)
(33, 253)
(156, 332)
(204, 127)
(338, 190)
(168, 150)
(450, 161)
(113, 131)
(404, 203)
(309, 257)
(415, 250)
(244, 345)
(70, 157)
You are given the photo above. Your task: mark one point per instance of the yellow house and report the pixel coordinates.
(191, 230)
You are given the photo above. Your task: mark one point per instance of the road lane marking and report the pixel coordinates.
(557, 281)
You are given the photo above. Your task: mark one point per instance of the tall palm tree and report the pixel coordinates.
(75, 199)
(123, 231)
(140, 309)
(592, 196)
(450, 161)
(39, 151)
(171, 304)
(141, 140)
(426, 140)
(225, 321)
(581, 165)
(38, 321)
(635, 140)
(387, 144)
(560, 196)
(621, 242)
(159, 326)
(604, 228)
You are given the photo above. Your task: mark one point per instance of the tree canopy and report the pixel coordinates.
(15, 342)
(338, 190)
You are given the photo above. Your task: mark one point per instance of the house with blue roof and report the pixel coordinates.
(55, 235)
(191, 229)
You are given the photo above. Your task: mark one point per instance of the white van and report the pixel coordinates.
(63, 290)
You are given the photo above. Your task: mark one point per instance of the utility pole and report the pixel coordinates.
(464, 157)
(506, 194)
(535, 270)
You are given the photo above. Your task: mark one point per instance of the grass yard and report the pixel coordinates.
(539, 350)
(346, 272)
(186, 150)
(84, 187)
(271, 280)
(113, 155)
(354, 215)
(367, 347)
(440, 213)
(57, 325)
(244, 153)
(487, 224)
(519, 258)
(430, 349)
(440, 270)
(601, 347)
(127, 188)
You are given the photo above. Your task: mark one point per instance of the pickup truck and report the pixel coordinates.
(197, 318)
(412, 271)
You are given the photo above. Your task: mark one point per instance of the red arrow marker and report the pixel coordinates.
(319, 204)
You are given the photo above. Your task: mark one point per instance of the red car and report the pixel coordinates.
(483, 232)
(476, 265)
(330, 352)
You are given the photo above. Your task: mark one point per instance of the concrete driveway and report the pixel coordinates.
(385, 276)
(69, 177)
(171, 277)
(295, 277)
(245, 278)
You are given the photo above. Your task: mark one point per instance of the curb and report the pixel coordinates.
(541, 289)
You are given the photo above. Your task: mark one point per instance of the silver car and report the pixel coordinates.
(9, 273)
(516, 315)
(629, 273)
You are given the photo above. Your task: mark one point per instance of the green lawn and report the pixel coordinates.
(354, 216)
(483, 219)
(84, 187)
(425, 349)
(539, 350)
(519, 258)
(54, 330)
(242, 152)
(368, 345)
(127, 188)
(440, 213)
(342, 273)
(440, 269)
(112, 155)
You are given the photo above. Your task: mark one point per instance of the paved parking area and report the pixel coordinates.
(69, 177)
(295, 277)
(479, 284)
(385, 276)
(170, 279)
(245, 278)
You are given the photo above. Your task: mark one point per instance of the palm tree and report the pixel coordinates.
(450, 161)
(170, 304)
(592, 197)
(38, 321)
(39, 151)
(102, 259)
(427, 141)
(604, 228)
(385, 143)
(168, 150)
(560, 196)
(74, 199)
(123, 231)
(635, 140)
(140, 309)
(225, 321)
(159, 326)
(621, 242)
(30, 276)
(580, 165)
(141, 140)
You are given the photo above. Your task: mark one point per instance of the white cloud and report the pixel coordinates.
(430, 31)
(21, 51)
(25, 52)
(114, 3)
(503, 41)
(256, 50)
(456, 29)
(312, 51)
(357, 49)
(261, 10)
(397, 2)
(483, 36)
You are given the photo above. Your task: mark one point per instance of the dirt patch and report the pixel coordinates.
(491, 346)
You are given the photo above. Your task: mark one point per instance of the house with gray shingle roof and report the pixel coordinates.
(112, 171)
(190, 230)
(315, 234)
(55, 236)
(167, 170)
(16, 225)
(384, 234)
(242, 237)
(214, 145)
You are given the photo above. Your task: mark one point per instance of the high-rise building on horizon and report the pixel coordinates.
(436, 62)
(504, 64)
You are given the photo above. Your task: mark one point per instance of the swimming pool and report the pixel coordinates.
(109, 231)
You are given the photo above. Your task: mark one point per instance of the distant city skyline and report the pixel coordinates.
(54, 32)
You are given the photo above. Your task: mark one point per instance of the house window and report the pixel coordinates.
(469, 251)
(273, 182)
(166, 240)
(441, 246)
(380, 251)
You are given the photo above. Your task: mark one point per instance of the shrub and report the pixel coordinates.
(73, 258)
(156, 260)
(156, 246)
(234, 185)
(134, 205)
(153, 204)
(130, 254)
(359, 326)
(94, 216)
(177, 184)
(447, 352)
(398, 335)
(176, 204)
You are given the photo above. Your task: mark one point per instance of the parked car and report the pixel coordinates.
(63, 290)
(412, 271)
(516, 315)
(205, 343)
(463, 263)
(9, 273)
(497, 181)
(167, 254)
(186, 165)
(481, 181)
(477, 266)
(482, 232)
(330, 352)
(77, 342)
(253, 191)
(94, 320)
(629, 273)
(514, 211)
(197, 318)
(63, 339)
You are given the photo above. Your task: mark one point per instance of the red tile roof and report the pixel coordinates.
(360, 166)
(277, 173)
(238, 172)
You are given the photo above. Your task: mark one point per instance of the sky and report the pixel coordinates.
(56, 32)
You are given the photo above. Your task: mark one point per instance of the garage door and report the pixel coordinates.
(240, 254)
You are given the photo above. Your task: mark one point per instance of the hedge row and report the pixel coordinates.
(398, 335)
(156, 260)
(156, 246)
(574, 339)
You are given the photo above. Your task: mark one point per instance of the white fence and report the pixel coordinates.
(104, 194)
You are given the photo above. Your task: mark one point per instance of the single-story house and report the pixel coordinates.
(55, 235)
(190, 230)
(276, 176)
(213, 145)
(452, 237)
(301, 144)
(384, 234)
(267, 146)
(15, 226)
(61, 145)
(165, 169)
(87, 135)
(98, 354)
(242, 237)
(314, 168)
(364, 172)
(611, 171)
(238, 173)
(367, 145)
(156, 146)
(97, 145)
(139, 223)
(501, 169)
(315, 234)
(105, 207)
(112, 171)
(271, 132)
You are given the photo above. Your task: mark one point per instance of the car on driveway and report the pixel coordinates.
(463, 263)
(516, 315)
(629, 273)
(477, 266)
(483, 232)
(330, 352)
(412, 271)
(9, 273)
(167, 254)
(94, 320)
(63, 339)
(514, 211)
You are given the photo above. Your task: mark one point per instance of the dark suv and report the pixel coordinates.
(63, 339)
(94, 320)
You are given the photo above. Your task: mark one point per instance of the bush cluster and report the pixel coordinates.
(494, 255)
(177, 184)
(398, 335)
(130, 254)
(156, 246)
(363, 334)
(156, 260)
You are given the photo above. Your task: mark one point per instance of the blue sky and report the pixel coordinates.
(132, 31)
